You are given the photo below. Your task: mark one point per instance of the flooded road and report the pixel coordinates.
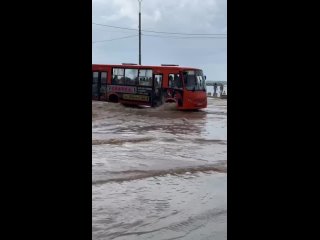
(159, 173)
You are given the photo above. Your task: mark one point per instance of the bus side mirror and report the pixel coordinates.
(205, 77)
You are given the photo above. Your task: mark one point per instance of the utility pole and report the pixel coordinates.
(139, 31)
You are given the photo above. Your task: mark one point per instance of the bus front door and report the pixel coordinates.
(99, 86)
(157, 90)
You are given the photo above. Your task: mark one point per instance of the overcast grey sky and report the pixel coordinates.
(174, 16)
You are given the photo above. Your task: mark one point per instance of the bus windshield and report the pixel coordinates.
(194, 80)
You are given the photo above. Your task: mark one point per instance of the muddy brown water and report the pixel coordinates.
(159, 173)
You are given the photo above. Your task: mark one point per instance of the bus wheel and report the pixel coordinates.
(113, 98)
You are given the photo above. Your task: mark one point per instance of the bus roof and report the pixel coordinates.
(144, 66)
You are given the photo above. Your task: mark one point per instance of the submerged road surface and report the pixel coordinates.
(159, 173)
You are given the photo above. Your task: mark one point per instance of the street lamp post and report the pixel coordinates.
(139, 31)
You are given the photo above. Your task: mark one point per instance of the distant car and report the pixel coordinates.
(224, 92)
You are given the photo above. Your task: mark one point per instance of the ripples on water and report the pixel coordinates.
(159, 173)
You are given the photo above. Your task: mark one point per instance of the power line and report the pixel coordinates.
(200, 34)
(115, 38)
(114, 26)
(113, 31)
(194, 37)
(105, 25)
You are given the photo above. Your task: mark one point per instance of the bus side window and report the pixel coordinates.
(145, 77)
(177, 81)
(130, 76)
(114, 80)
(171, 80)
(118, 76)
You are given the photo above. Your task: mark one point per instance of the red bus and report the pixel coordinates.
(134, 84)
